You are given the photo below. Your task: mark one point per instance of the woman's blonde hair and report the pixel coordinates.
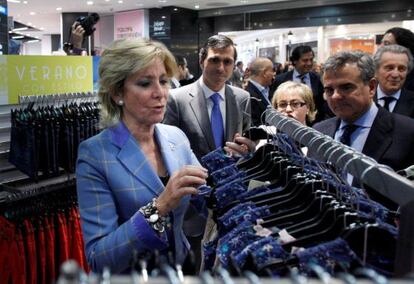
(120, 60)
(297, 88)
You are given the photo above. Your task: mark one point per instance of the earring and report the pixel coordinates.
(120, 102)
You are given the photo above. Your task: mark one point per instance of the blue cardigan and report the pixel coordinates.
(114, 179)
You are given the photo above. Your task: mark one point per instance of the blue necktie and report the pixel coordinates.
(217, 121)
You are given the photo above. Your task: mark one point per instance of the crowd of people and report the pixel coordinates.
(138, 179)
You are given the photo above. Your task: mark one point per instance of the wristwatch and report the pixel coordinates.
(151, 214)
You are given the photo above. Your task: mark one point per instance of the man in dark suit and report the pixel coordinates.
(261, 77)
(212, 114)
(392, 64)
(302, 58)
(349, 89)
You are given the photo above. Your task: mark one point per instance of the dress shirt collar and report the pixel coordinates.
(381, 94)
(366, 120)
(208, 92)
(257, 85)
(296, 75)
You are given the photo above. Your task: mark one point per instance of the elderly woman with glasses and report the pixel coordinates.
(295, 100)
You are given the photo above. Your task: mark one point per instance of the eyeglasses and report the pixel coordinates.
(292, 104)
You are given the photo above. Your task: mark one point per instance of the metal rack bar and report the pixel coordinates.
(55, 97)
(379, 177)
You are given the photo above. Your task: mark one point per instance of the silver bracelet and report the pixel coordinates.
(151, 214)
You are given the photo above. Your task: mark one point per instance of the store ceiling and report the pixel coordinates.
(44, 15)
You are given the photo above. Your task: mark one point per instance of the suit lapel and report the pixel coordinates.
(199, 106)
(134, 160)
(380, 135)
(258, 94)
(168, 150)
(405, 104)
(232, 114)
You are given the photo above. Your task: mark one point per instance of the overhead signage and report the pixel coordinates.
(43, 75)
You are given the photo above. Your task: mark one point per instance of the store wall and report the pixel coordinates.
(178, 29)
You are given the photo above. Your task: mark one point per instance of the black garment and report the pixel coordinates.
(387, 101)
(346, 136)
(404, 105)
(258, 104)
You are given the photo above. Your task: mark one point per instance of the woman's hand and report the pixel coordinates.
(181, 183)
(240, 145)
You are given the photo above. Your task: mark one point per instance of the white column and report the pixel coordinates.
(282, 49)
(322, 56)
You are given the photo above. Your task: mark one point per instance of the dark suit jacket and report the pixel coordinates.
(187, 109)
(390, 142)
(405, 104)
(317, 89)
(258, 107)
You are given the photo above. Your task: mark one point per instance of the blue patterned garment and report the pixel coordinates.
(224, 173)
(229, 192)
(330, 256)
(242, 212)
(217, 159)
(263, 251)
(238, 176)
(234, 242)
(209, 252)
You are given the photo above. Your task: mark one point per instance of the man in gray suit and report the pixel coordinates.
(392, 64)
(190, 107)
(194, 108)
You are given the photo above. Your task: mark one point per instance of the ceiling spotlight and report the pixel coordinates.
(59, 9)
(197, 6)
(120, 1)
(32, 13)
(89, 3)
(163, 17)
(175, 9)
(25, 2)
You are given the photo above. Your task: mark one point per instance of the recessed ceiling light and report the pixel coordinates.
(32, 13)
(29, 23)
(244, 1)
(25, 2)
(120, 1)
(162, 1)
(175, 9)
(59, 9)
(89, 3)
(107, 0)
(197, 6)
(163, 17)
(41, 28)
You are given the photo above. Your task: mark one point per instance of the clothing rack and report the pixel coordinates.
(379, 177)
(55, 97)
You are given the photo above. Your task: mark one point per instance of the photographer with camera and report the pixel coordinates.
(80, 29)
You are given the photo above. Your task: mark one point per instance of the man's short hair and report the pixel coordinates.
(396, 49)
(299, 51)
(217, 41)
(181, 60)
(362, 60)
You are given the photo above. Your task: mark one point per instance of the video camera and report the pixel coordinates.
(88, 23)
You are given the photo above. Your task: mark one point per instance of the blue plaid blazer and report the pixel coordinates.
(114, 179)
